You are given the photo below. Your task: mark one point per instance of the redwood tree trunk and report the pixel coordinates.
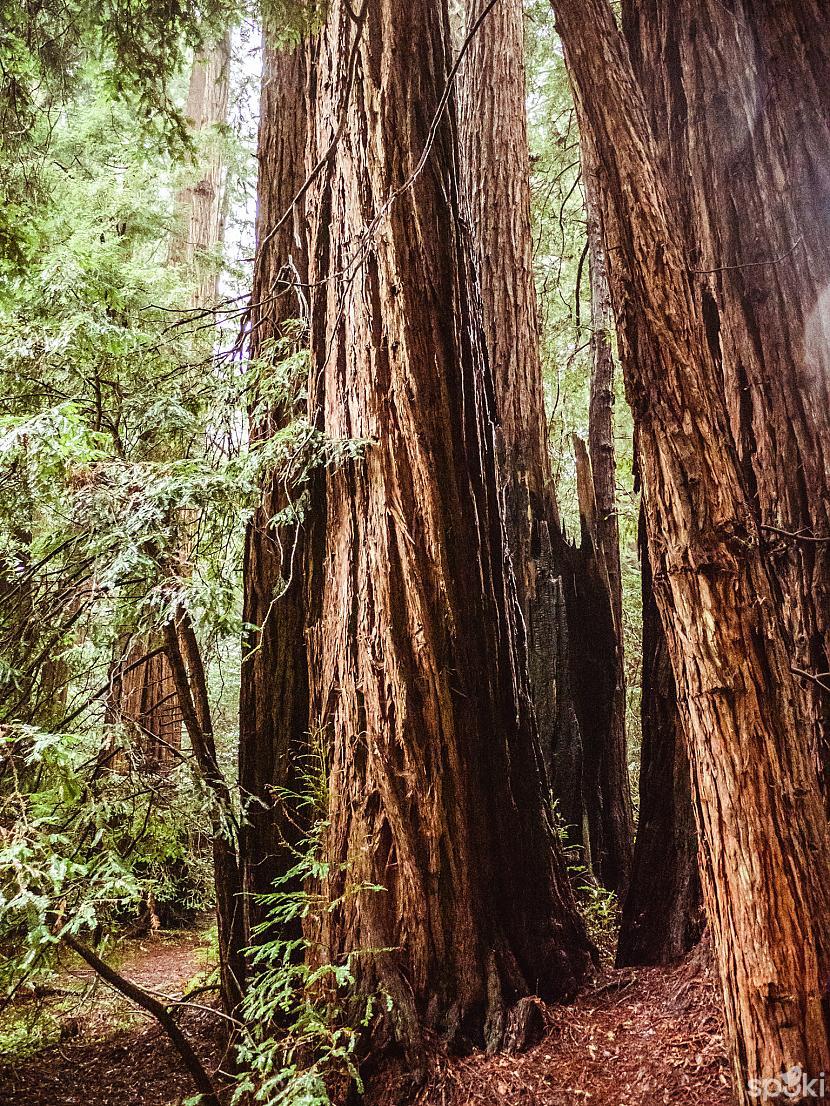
(495, 172)
(599, 670)
(739, 97)
(201, 205)
(662, 915)
(760, 807)
(418, 677)
(273, 714)
(595, 674)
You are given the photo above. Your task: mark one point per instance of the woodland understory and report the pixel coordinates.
(414, 552)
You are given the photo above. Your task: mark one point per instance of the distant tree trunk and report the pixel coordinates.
(599, 667)
(186, 665)
(495, 172)
(662, 914)
(739, 97)
(762, 822)
(201, 206)
(418, 677)
(595, 663)
(146, 696)
(273, 715)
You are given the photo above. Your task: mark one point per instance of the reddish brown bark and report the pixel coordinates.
(273, 716)
(418, 677)
(739, 98)
(144, 698)
(760, 807)
(495, 172)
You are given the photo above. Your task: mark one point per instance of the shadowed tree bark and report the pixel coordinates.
(418, 676)
(495, 172)
(761, 815)
(614, 784)
(662, 915)
(273, 714)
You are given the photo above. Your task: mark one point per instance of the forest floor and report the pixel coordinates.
(98, 1049)
(638, 1037)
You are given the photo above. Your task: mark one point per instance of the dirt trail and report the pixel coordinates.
(643, 1037)
(110, 1054)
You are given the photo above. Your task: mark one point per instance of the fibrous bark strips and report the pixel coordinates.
(763, 830)
(418, 676)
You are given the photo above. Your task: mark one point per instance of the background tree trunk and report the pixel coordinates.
(739, 98)
(595, 675)
(273, 712)
(145, 697)
(495, 172)
(418, 677)
(761, 814)
(599, 667)
(201, 206)
(662, 915)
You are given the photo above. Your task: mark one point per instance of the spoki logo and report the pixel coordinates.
(794, 1085)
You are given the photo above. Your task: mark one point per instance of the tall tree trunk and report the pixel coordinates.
(201, 205)
(186, 665)
(662, 915)
(599, 670)
(761, 813)
(739, 98)
(273, 715)
(595, 653)
(418, 677)
(495, 173)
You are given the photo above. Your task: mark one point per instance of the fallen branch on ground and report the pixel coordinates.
(159, 1011)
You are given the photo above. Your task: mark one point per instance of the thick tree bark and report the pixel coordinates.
(273, 716)
(760, 807)
(662, 914)
(739, 98)
(418, 677)
(495, 172)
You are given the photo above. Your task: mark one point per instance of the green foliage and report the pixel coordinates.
(84, 845)
(303, 1020)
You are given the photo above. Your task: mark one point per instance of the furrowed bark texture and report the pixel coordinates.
(274, 684)
(495, 171)
(762, 824)
(739, 97)
(418, 677)
(662, 915)
(145, 698)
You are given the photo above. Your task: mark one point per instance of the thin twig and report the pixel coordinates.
(796, 535)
